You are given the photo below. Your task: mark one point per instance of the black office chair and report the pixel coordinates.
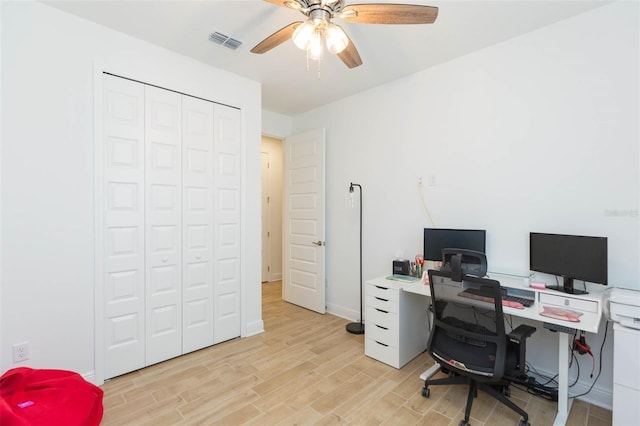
(469, 342)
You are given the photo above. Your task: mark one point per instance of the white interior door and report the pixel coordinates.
(122, 157)
(266, 184)
(303, 280)
(163, 216)
(197, 208)
(227, 253)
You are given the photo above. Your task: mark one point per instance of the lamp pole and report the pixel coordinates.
(358, 327)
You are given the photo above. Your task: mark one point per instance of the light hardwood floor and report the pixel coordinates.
(305, 369)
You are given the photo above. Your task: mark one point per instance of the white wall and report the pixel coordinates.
(47, 174)
(538, 133)
(276, 125)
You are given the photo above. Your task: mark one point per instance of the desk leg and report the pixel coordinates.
(563, 380)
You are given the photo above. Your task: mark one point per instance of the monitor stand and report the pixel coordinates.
(567, 287)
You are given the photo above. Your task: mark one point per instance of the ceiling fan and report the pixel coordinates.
(317, 31)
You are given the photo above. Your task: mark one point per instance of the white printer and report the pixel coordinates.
(624, 307)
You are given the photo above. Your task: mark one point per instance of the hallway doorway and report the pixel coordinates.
(272, 181)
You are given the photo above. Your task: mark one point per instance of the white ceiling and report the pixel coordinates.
(388, 51)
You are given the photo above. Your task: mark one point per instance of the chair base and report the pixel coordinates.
(474, 386)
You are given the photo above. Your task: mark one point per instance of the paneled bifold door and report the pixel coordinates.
(171, 221)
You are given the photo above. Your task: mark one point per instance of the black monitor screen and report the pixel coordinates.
(570, 256)
(437, 239)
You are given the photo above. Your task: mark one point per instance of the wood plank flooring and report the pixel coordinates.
(305, 370)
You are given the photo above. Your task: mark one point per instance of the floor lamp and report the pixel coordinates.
(358, 327)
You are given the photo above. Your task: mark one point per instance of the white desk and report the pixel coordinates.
(589, 304)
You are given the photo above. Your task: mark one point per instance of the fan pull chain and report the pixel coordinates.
(308, 66)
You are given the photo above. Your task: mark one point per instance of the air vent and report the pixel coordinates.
(225, 40)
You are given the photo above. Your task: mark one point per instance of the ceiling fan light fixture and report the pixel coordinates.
(315, 48)
(302, 35)
(337, 40)
(317, 33)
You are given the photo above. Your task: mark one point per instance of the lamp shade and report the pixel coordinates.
(302, 34)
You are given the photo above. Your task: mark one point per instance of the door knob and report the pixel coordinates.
(318, 243)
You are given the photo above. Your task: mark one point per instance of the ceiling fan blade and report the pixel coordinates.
(291, 4)
(276, 39)
(388, 13)
(350, 55)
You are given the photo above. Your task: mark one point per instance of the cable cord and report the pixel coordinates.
(575, 334)
(573, 356)
(606, 329)
(424, 205)
(531, 368)
(509, 320)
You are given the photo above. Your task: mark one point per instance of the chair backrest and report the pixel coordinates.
(468, 331)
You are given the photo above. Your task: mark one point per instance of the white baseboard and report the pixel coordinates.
(254, 328)
(342, 312)
(90, 377)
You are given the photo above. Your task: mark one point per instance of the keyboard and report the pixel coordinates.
(511, 301)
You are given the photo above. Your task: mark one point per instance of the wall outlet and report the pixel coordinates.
(420, 181)
(21, 352)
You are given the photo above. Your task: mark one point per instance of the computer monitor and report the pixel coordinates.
(436, 239)
(573, 257)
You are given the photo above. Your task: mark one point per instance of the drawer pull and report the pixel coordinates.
(382, 288)
(384, 328)
(380, 298)
(380, 310)
(380, 343)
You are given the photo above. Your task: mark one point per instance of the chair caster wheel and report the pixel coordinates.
(463, 423)
(426, 392)
(523, 422)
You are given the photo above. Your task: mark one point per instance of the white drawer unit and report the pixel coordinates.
(568, 301)
(396, 326)
(626, 375)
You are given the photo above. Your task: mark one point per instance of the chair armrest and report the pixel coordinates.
(521, 332)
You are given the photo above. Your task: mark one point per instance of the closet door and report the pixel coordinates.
(197, 281)
(227, 180)
(122, 156)
(163, 208)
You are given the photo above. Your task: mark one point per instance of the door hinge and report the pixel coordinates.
(268, 199)
(268, 268)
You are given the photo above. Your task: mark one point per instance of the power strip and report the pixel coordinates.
(560, 328)
(549, 393)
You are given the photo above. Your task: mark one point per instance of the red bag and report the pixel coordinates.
(48, 397)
